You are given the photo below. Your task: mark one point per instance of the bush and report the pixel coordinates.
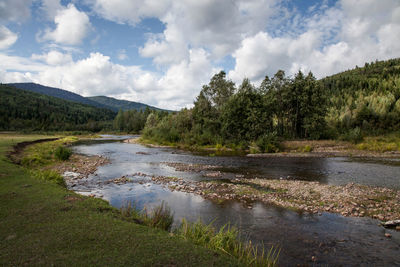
(63, 153)
(268, 143)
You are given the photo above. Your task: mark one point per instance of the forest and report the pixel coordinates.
(24, 110)
(347, 106)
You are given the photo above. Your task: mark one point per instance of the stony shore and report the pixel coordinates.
(78, 167)
(348, 200)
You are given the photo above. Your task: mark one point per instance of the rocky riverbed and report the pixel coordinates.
(312, 197)
(79, 167)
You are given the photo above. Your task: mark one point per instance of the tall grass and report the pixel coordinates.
(49, 175)
(159, 217)
(227, 241)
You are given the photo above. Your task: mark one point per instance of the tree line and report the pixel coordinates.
(346, 105)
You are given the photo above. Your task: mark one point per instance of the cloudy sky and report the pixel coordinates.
(161, 52)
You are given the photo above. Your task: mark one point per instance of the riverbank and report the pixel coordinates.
(370, 147)
(46, 224)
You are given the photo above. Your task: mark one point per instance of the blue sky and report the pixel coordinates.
(162, 52)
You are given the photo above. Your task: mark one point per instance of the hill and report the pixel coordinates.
(116, 104)
(366, 97)
(21, 109)
(56, 92)
(96, 101)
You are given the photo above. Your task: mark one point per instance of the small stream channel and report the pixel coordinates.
(332, 239)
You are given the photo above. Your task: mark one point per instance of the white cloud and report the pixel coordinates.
(53, 58)
(15, 10)
(131, 12)
(330, 41)
(7, 37)
(72, 26)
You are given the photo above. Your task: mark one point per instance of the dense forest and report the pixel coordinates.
(347, 105)
(367, 98)
(133, 121)
(24, 110)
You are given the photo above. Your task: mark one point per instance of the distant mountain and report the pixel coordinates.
(22, 109)
(95, 101)
(116, 104)
(56, 92)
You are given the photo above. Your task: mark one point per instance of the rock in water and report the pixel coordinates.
(391, 224)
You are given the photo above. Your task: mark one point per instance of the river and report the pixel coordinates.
(327, 238)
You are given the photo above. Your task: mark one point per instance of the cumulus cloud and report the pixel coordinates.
(72, 26)
(332, 40)
(53, 58)
(7, 38)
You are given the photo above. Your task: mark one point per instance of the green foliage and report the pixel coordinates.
(132, 121)
(160, 217)
(354, 136)
(49, 175)
(227, 241)
(268, 143)
(341, 106)
(62, 153)
(20, 109)
(366, 97)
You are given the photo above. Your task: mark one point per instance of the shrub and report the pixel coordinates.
(306, 148)
(268, 143)
(63, 153)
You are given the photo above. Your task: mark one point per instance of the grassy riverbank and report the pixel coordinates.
(45, 224)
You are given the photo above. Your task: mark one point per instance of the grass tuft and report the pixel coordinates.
(49, 175)
(227, 241)
(160, 217)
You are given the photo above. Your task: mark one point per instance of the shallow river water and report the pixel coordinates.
(330, 238)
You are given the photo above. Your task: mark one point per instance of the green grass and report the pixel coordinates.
(43, 223)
